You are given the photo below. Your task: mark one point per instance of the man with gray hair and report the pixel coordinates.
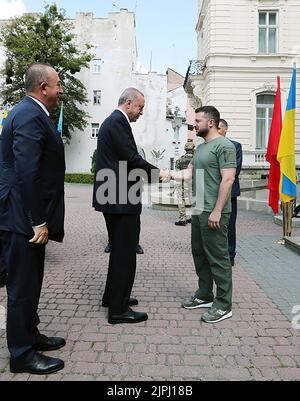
(117, 194)
(31, 213)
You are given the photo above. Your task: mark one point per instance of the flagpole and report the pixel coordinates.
(287, 218)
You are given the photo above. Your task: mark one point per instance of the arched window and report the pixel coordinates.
(264, 114)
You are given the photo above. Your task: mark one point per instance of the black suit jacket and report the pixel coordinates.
(116, 144)
(236, 190)
(33, 167)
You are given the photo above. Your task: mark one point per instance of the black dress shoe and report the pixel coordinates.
(45, 343)
(128, 317)
(180, 223)
(38, 365)
(107, 249)
(139, 250)
(131, 302)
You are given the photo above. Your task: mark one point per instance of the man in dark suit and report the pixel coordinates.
(3, 272)
(235, 192)
(117, 194)
(31, 212)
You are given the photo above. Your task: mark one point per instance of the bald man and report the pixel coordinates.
(31, 213)
(117, 194)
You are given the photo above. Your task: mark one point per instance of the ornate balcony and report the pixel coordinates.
(193, 84)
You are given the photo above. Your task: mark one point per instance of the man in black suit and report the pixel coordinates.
(3, 272)
(235, 192)
(31, 212)
(117, 194)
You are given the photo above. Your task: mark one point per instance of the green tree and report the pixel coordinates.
(46, 38)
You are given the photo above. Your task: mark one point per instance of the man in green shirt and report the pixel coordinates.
(213, 171)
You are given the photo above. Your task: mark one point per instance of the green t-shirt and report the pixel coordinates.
(209, 159)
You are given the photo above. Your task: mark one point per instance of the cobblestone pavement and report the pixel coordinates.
(258, 343)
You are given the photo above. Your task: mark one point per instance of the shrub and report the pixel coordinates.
(79, 178)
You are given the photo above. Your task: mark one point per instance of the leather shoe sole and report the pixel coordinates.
(128, 317)
(131, 302)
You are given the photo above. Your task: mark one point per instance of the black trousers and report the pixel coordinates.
(107, 220)
(2, 263)
(25, 268)
(232, 229)
(123, 234)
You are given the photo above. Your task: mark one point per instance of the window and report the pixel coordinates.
(264, 114)
(96, 66)
(268, 32)
(97, 98)
(95, 130)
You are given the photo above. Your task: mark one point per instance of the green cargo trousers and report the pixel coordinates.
(212, 263)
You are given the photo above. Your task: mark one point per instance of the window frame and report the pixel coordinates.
(267, 27)
(93, 128)
(96, 66)
(266, 119)
(100, 97)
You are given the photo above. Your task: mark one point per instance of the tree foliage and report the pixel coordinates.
(46, 38)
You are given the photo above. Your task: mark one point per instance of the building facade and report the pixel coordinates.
(114, 68)
(242, 47)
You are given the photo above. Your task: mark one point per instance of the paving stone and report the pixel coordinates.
(258, 343)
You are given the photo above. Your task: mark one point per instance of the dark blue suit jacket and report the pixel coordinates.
(236, 190)
(116, 144)
(33, 167)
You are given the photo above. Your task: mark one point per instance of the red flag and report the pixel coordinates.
(274, 138)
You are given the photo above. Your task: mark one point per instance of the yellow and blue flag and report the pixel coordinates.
(60, 121)
(5, 113)
(286, 149)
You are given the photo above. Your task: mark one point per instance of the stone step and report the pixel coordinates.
(293, 243)
(295, 222)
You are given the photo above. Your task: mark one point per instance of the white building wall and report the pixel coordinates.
(115, 44)
(150, 128)
(235, 72)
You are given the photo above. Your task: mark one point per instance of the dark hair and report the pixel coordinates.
(35, 74)
(211, 113)
(224, 122)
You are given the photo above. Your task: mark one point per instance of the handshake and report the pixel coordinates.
(165, 175)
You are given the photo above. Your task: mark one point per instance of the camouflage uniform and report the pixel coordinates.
(184, 190)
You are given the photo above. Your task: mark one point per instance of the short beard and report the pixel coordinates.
(203, 133)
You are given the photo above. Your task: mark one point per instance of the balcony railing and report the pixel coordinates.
(255, 158)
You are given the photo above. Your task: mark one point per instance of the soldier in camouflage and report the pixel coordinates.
(183, 189)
